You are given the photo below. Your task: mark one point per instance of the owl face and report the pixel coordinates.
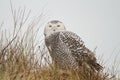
(53, 26)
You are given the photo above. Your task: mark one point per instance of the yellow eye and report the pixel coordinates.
(58, 25)
(50, 26)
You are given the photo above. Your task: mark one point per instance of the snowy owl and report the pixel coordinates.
(66, 48)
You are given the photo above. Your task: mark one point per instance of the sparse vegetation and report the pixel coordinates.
(18, 59)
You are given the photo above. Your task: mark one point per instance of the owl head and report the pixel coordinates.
(53, 26)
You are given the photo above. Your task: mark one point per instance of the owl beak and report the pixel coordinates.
(54, 30)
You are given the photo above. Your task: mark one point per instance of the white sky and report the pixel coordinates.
(97, 22)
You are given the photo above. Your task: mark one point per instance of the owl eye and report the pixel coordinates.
(58, 25)
(50, 26)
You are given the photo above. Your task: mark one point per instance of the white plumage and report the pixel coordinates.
(67, 49)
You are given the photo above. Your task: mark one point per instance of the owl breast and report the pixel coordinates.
(59, 51)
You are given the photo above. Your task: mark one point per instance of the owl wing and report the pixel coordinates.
(78, 50)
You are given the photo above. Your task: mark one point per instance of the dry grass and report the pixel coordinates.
(18, 55)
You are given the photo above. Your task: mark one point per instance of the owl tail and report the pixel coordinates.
(98, 67)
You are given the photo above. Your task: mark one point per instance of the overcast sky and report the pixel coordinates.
(97, 22)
